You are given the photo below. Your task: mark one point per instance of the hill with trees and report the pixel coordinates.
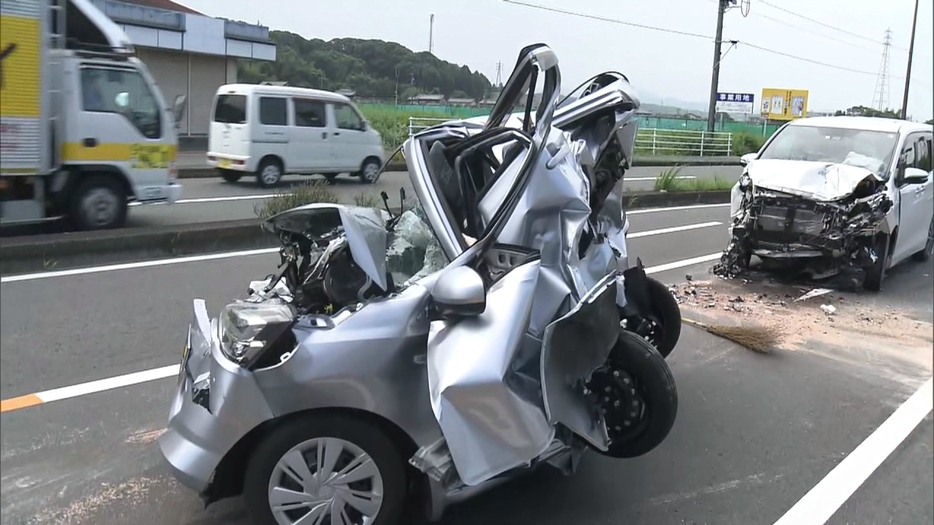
(371, 68)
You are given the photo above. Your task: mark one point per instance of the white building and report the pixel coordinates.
(187, 52)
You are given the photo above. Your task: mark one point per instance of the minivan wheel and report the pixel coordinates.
(928, 250)
(875, 275)
(269, 173)
(369, 173)
(99, 203)
(326, 469)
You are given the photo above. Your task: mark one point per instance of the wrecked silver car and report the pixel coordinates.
(834, 197)
(490, 326)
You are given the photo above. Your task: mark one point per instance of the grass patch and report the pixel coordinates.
(308, 193)
(393, 126)
(367, 200)
(744, 143)
(668, 181)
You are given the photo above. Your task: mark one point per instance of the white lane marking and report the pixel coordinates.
(246, 253)
(134, 265)
(109, 383)
(673, 229)
(202, 200)
(822, 501)
(652, 179)
(172, 370)
(681, 264)
(677, 208)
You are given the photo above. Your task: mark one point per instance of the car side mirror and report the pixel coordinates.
(914, 176)
(747, 159)
(458, 292)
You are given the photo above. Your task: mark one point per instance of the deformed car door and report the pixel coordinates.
(484, 370)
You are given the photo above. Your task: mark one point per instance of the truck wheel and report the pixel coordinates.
(99, 203)
(369, 172)
(326, 469)
(638, 397)
(230, 175)
(876, 273)
(928, 250)
(269, 173)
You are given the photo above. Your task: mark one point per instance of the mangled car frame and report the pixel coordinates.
(835, 197)
(491, 326)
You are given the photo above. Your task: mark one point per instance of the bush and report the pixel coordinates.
(367, 200)
(393, 125)
(308, 193)
(744, 143)
(666, 180)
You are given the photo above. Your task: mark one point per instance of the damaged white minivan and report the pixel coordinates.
(835, 197)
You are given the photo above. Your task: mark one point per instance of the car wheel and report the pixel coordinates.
(876, 273)
(665, 318)
(99, 203)
(637, 395)
(369, 173)
(928, 250)
(230, 175)
(269, 173)
(326, 469)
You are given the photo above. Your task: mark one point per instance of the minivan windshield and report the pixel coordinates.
(230, 109)
(872, 150)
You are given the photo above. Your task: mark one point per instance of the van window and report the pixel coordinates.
(230, 109)
(272, 111)
(309, 113)
(346, 117)
(124, 92)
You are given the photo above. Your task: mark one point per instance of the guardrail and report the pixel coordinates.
(649, 141)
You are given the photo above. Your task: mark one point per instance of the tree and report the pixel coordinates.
(930, 122)
(863, 111)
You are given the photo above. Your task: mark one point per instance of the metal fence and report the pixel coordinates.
(649, 141)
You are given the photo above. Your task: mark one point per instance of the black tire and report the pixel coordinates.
(269, 173)
(667, 315)
(656, 388)
(369, 171)
(928, 250)
(875, 275)
(230, 175)
(373, 440)
(99, 203)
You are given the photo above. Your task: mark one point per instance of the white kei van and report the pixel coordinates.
(272, 130)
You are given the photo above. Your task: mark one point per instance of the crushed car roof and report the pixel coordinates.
(864, 123)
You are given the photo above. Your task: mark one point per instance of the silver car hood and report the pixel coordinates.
(364, 228)
(818, 181)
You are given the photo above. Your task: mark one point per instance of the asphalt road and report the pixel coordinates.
(754, 433)
(206, 200)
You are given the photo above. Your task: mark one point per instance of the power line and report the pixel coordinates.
(610, 20)
(818, 22)
(815, 33)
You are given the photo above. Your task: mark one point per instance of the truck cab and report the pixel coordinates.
(103, 138)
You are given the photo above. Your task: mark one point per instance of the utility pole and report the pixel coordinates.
(715, 76)
(431, 34)
(911, 50)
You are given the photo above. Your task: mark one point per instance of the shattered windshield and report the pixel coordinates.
(414, 250)
(871, 150)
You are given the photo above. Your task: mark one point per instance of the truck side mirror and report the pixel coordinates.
(458, 292)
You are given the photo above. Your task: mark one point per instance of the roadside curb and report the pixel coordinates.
(638, 162)
(58, 251)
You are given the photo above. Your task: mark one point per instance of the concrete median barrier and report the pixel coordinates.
(59, 251)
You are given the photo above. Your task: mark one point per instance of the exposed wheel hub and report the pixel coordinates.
(617, 395)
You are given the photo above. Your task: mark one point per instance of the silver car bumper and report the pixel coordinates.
(216, 404)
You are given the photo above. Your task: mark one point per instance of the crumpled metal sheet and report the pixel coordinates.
(489, 427)
(364, 228)
(819, 181)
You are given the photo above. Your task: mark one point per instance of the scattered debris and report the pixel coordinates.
(817, 292)
(828, 309)
(689, 277)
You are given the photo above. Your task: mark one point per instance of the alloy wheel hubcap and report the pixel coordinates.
(99, 207)
(325, 481)
(370, 172)
(270, 174)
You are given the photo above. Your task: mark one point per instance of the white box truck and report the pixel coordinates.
(84, 130)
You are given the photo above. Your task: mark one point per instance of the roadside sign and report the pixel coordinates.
(735, 102)
(784, 104)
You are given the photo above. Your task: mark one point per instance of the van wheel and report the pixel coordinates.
(99, 203)
(269, 173)
(928, 250)
(876, 273)
(230, 175)
(326, 469)
(369, 173)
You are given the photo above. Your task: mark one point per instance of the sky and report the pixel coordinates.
(664, 67)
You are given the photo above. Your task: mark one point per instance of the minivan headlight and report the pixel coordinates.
(246, 329)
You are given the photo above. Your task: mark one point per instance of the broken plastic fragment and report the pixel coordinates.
(828, 309)
(817, 292)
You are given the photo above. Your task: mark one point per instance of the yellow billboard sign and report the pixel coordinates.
(20, 80)
(784, 104)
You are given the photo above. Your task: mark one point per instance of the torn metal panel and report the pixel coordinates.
(818, 181)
